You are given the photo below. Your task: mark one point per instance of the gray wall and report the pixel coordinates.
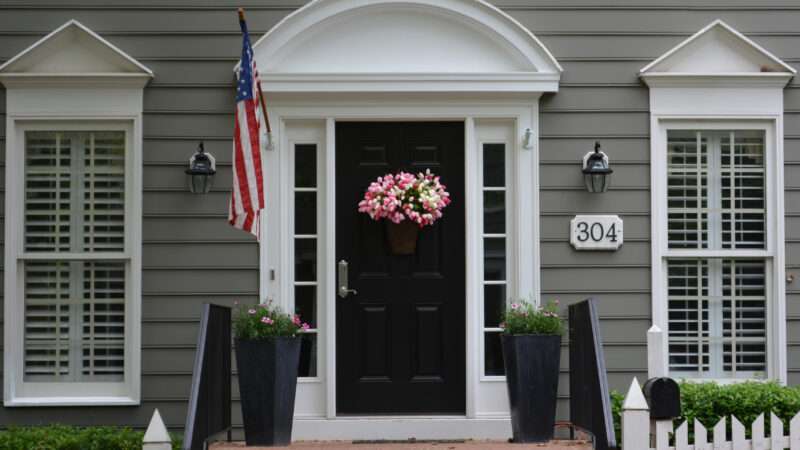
(192, 45)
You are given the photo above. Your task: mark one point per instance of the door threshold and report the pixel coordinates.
(401, 428)
(399, 416)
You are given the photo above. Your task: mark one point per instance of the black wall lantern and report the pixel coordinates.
(202, 167)
(596, 172)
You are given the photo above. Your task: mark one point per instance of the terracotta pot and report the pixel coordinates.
(402, 237)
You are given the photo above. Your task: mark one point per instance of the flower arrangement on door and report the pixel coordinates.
(406, 203)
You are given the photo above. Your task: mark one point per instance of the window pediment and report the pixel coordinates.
(71, 53)
(720, 54)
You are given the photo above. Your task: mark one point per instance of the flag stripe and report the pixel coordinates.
(247, 195)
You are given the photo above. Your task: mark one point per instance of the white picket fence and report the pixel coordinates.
(640, 433)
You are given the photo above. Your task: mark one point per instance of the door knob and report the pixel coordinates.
(344, 288)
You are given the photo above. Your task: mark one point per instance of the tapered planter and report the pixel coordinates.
(402, 237)
(267, 385)
(531, 363)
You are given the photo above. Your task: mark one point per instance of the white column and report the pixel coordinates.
(156, 437)
(635, 419)
(656, 359)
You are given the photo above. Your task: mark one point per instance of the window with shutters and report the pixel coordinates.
(717, 261)
(74, 264)
(75, 207)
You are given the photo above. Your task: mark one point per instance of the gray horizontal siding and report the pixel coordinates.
(192, 46)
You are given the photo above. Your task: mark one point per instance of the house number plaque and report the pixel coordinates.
(596, 232)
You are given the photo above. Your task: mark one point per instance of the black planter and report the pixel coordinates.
(267, 386)
(532, 363)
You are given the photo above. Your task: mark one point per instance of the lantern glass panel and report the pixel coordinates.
(200, 183)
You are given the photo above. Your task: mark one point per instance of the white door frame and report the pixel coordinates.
(276, 260)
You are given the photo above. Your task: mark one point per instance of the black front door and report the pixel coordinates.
(400, 341)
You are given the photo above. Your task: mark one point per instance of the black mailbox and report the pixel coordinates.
(663, 397)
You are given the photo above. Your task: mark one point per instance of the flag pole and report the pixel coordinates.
(260, 92)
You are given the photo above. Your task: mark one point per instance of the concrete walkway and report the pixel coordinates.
(436, 445)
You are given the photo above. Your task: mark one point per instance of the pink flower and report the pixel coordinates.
(515, 306)
(397, 197)
(251, 311)
(305, 326)
(267, 320)
(296, 319)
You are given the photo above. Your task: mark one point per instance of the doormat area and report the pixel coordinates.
(413, 445)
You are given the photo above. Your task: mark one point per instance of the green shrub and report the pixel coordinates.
(708, 402)
(64, 437)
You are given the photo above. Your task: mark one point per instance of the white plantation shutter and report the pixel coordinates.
(74, 217)
(104, 192)
(716, 305)
(48, 187)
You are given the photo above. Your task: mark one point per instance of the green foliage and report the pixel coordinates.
(617, 399)
(265, 321)
(708, 402)
(64, 437)
(524, 318)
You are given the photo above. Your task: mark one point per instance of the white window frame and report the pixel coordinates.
(17, 392)
(773, 254)
(501, 132)
(106, 94)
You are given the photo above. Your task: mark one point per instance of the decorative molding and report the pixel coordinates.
(717, 49)
(71, 55)
(404, 46)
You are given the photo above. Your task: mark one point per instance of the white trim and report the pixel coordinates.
(520, 63)
(73, 101)
(725, 26)
(72, 23)
(774, 255)
(480, 11)
(484, 397)
(720, 96)
(402, 428)
(16, 390)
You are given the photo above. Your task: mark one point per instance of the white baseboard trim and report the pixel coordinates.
(398, 427)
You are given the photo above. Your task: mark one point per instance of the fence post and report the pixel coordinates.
(156, 437)
(655, 353)
(635, 419)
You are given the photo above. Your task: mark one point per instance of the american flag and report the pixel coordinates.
(247, 197)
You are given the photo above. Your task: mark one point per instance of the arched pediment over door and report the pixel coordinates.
(403, 46)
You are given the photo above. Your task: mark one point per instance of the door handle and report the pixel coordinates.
(344, 289)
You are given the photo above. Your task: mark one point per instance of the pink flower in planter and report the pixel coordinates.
(515, 306)
(306, 326)
(251, 311)
(296, 319)
(267, 320)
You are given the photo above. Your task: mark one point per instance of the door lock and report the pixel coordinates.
(344, 288)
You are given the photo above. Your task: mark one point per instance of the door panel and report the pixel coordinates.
(401, 338)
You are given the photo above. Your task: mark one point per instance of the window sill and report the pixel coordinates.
(70, 401)
(723, 381)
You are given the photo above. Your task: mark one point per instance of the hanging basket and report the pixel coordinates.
(402, 237)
